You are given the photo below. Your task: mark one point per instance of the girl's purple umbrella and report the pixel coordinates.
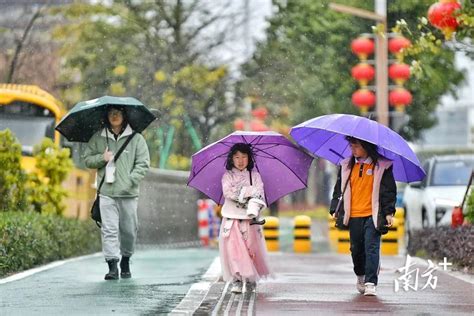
(282, 165)
(324, 136)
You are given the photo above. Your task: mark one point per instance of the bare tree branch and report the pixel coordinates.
(191, 9)
(21, 42)
(161, 8)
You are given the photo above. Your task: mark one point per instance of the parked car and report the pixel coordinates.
(429, 203)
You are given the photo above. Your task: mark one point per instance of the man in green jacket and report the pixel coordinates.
(119, 192)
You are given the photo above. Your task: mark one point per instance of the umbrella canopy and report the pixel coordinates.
(87, 117)
(282, 166)
(324, 136)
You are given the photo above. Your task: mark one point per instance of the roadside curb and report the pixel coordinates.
(54, 264)
(198, 291)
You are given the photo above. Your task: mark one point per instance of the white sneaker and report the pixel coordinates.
(250, 287)
(360, 285)
(370, 289)
(236, 287)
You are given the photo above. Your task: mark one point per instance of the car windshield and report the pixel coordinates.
(453, 172)
(28, 130)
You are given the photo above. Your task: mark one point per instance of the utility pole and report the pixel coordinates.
(381, 64)
(381, 53)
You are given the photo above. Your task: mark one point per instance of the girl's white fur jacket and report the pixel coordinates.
(237, 192)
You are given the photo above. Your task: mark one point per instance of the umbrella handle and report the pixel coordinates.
(467, 189)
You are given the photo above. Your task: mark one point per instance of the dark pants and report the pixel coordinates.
(365, 247)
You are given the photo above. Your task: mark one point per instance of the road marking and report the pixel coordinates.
(251, 303)
(241, 303)
(229, 304)
(221, 299)
(198, 291)
(30, 272)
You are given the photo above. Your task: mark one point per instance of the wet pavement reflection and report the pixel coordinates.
(161, 278)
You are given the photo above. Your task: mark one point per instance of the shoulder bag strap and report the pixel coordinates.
(343, 191)
(116, 157)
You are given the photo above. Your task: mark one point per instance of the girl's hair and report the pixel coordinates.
(115, 107)
(370, 148)
(243, 148)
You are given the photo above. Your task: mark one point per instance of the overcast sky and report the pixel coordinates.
(245, 36)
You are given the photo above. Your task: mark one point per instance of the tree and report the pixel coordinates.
(45, 191)
(28, 54)
(12, 177)
(306, 60)
(158, 51)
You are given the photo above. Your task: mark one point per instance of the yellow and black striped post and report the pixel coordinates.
(332, 232)
(271, 233)
(302, 241)
(390, 240)
(343, 241)
(400, 219)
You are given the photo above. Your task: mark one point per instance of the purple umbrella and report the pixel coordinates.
(324, 136)
(282, 165)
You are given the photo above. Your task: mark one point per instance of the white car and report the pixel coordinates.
(429, 203)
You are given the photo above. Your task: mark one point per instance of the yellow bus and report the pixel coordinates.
(31, 114)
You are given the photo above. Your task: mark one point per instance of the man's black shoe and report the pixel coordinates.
(113, 270)
(125, 268)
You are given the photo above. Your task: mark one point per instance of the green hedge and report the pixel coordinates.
(28, 239)
(456, 244)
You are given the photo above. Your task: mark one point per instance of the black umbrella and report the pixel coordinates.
(87, 117)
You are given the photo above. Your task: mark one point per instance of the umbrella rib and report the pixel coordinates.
(332, 150)
(266, 198)
(336, 153)
(198, 171)
(313, 130)
(287, 167)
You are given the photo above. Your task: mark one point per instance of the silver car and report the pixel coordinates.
(429, 203)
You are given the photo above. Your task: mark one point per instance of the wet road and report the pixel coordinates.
(320, 283)
(161, 278)
(324, 284)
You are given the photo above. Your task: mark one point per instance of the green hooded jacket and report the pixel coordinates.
(131, 166)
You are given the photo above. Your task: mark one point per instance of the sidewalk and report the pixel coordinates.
(322, 284)
(161, 278)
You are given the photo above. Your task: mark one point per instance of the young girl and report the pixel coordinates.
(241, 245)
(369, 194)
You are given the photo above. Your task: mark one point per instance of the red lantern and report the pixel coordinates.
(399, 73)
(239, 124)
(258, 126)
(260, 113)
(364, 99)
(442, 16)
(400, 98)
(363, 73)
(362, 47)
(397, 44)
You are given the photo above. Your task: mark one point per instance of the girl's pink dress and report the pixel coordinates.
(242, 251)
(242, 247)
